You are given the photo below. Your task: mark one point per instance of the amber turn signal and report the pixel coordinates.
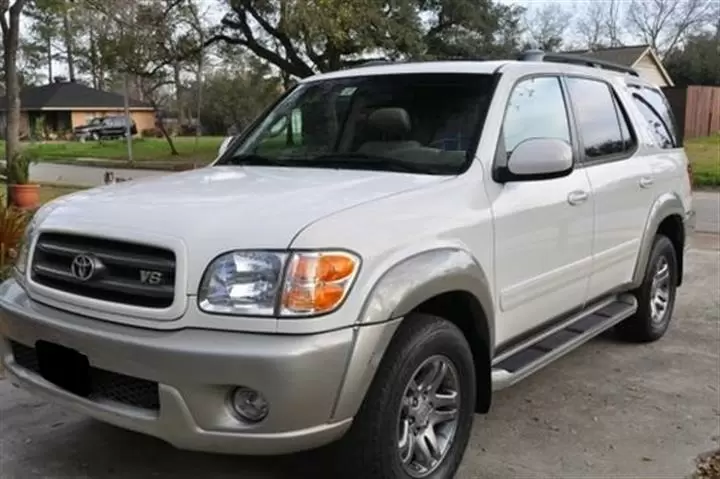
(317, 282)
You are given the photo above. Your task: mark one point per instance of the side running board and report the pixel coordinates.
(539, 351)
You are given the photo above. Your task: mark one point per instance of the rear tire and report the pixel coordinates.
(656, 296)
(425, 381)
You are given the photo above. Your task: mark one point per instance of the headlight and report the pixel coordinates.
(251, 283)
(21, 260)
(242, 282)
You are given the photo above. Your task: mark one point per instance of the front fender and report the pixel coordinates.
(402, 288)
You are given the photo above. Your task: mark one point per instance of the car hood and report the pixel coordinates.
(216, 209)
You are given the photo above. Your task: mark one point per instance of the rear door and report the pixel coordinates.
(663, 149)
(620, 179)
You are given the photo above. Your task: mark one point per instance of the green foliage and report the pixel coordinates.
(18, 168)
(12, 226)
(235, 96)
(697, 62)
(302, 37)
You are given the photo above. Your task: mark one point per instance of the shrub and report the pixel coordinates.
(18, 170)
(12, 227)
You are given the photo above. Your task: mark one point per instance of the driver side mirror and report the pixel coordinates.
(538, 159)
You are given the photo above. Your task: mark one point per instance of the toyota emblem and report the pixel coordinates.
(83, 267)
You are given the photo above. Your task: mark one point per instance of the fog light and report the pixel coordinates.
(249, 404)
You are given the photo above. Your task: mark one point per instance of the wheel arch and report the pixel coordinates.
(446, 282)
(667, 216)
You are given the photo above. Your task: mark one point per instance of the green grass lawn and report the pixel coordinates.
(704, 155)
(144, 149)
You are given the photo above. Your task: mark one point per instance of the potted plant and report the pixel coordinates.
(23, 193)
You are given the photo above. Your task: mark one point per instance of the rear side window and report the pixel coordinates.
(656, 110)
(602, 124)
(536, 110)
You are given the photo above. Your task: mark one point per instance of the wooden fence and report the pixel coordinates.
(696, 109)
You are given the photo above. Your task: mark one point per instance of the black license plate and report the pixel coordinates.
(64, 367)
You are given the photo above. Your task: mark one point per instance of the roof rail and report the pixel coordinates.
(373, 63)
(541, 56)
(384, 61)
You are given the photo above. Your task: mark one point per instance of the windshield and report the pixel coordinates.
(420, 123)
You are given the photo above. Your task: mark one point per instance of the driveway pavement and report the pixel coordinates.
(707, 208)
(606, 410)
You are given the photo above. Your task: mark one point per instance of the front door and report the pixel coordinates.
(543, 229)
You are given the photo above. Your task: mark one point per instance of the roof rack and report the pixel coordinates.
(541, 56)
(384, 61)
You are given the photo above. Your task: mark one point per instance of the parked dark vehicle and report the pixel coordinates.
(107, 127)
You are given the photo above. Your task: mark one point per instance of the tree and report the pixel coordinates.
(697, 62)
(666, 24)
(546, 25)
(10, 12)
(38, 45)
(146, 38)
(600, 26)
(234, 94)
(301, 37)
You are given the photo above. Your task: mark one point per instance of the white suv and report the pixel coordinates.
(364, 266)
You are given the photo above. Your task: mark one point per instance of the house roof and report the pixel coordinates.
(626, 56)
(70, 96)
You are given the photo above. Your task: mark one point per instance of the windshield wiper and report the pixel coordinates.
(365, 161)
(255, 160)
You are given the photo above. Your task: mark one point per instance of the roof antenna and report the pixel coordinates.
(533, 54)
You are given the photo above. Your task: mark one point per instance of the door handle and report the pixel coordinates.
(646, 182)
(577, 197)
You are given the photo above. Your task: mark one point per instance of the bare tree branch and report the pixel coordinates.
(664, 24)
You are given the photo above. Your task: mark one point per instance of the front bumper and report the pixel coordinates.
(194, 372)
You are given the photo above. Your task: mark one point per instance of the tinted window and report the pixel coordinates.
(602, 125)
(536, 110)
(659, 103)
(655, 123)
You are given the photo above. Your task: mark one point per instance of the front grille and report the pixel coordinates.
(119, 271)
(103, 385)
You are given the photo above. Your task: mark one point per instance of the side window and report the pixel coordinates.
(536, 110)
(601, 122)
(658, 115)
(660, 104)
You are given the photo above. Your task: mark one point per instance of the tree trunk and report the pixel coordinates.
(161, 126)
(128, 119)
(178, 93)
(92, 54)
(49, 59)
(68, 37)
(11, 34)
(171, 144)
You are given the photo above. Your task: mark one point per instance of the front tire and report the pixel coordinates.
(656, 295)
(416, 418)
